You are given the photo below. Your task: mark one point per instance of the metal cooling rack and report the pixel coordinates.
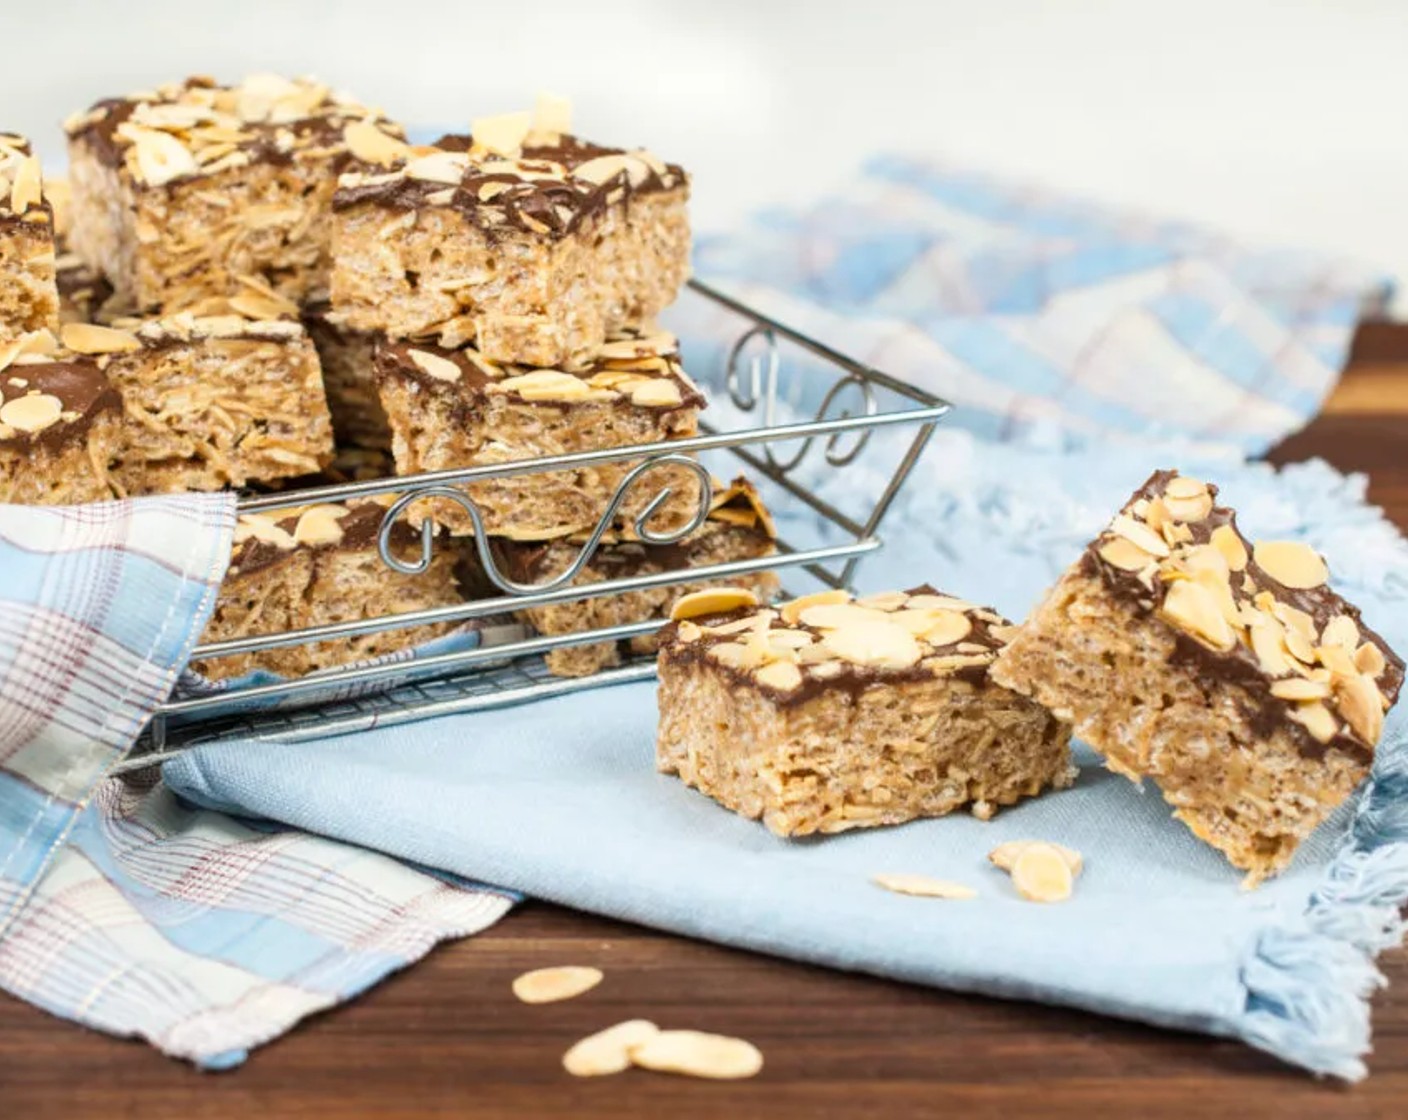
(857, 401)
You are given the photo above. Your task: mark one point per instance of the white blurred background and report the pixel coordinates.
(1281, 121)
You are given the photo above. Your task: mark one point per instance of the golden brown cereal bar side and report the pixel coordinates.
(60, 419)
(453, 408)
(314, 566)
(29, 299)
(533, 242)
(212, 401)
(1228, 672)
(829, 714)
(180, 193)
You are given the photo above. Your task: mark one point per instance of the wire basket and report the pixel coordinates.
(762, 379)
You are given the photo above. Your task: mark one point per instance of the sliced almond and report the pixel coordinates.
(922, 886)
(781, 675)
(1341, 631)
(320, 525)
(1122, 553)
(434, 365)
(1194, 609)
(789, 639)
(659, 392)
(1291, 564)
(552, 115)
(712, 600)
(161, 157)
(1369, 659)
(828, 616)
(1300, 688)
(1225, 539)
(881, 645)
(698, 1054)
(1005, 854)
(31, 413)
(1336, 659)
(941, 628)
(27, 189)
(1362, 706)
(1268, 643)
(885, 601)
(371, 145)
(89, 338)
(1140, 535)
(438, 167)
(1316, 719)
(503, 135)
(687, 631)
(608, 1051)
(939, 603)
(1183, 486)
(1192, 508)
(546, 385)
(1041, 874)
(602, 169)
(792, 612)
(549, 985)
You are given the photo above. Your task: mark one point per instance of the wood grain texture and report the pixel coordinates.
(448, 1039)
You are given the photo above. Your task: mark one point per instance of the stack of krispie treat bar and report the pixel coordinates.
(1226, 671)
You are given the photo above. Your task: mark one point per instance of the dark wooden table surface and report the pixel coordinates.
(447, 1038)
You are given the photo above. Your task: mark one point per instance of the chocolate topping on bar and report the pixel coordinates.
(512, 172)
(633, 368)
(187, 130)
(49, 401)
(265, 539)
(830, 642)
(21, 183)
(1259, 615)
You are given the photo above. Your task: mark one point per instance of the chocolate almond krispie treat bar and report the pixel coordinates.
(739, 528)
(179, 191)
(60, 421)
(29, 298)
(830, 713)
(349, 378)
(317, 565)
(532, 242)
(211, 401)
(452, 408)
(1227, 671)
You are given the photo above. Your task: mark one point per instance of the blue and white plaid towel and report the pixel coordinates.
(1038, 315)
(119, 907)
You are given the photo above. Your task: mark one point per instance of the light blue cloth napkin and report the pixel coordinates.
(560, 800)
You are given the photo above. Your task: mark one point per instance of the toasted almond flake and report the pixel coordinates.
(1316, 718)
(939, 603)
(552, 114)
(27, 188)
(657, 393)
(546, 385)
(828, 616)
(922, 886)
(1341, 631)
(1225, 539)
(1041, 874)
(1005, 854)
(1194, 508)
(881, 645)
(1299, 647)
(503, 135)
(1183, 486)
(31, 413)
(1140, 535)
(371, 145)
(792, 611)
(1124, 554)
(89, 338)
(433, 365)
(602, 169)
(1361, 705)
(781, 675)
(885, 601)
(439, 167)
(943, 628)
(1268, 643)
(712, 600)
(1300, 688)
(737, 655)
(789, 639)
(160, 157)
(548, 985)
(698, 1054)
(608, 1051)
(320, 525)
(1195, 610)
(1291, 564)
(687, 631)
(1369, 659)
(262, 527)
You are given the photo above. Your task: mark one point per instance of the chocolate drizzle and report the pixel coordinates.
(1240, 665)
(853, 679)
(538, 190)
(83, 391)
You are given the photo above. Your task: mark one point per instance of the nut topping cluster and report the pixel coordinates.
(640, 366)
(21, 181)
(831, 635)
(1266, 606)
(184, 130)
